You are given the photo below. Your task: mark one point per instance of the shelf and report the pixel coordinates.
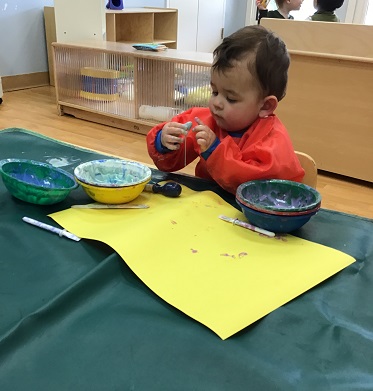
(142, 25)
(113, 83)
(128, 26)
(155, 41)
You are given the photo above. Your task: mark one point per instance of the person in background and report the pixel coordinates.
(284, 7)
(325, 10)
(237, 138)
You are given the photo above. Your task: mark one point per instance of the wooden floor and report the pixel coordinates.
(35, 109)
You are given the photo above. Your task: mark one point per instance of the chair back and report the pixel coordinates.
(309, 166)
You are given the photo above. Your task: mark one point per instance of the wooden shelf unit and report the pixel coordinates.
(130, 25)
(110, 82)
(327, 107)
(142, 25)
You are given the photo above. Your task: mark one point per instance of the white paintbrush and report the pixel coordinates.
(110, 206)
(247, 226)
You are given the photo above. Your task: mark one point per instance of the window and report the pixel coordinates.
(305, 11)
(369, 14)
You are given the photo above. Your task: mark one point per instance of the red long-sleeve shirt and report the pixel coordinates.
(263, 151)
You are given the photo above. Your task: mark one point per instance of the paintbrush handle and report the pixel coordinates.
(247, 226)
(110, 206)
(253, 228)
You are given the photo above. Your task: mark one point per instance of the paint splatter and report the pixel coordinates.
(228, 255)
(193, 250)
(62, 161)
(240, 255)
(281, 237)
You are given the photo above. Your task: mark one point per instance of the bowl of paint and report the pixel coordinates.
(36, 182)
(275, 223)
(112, 181)
(279, 197)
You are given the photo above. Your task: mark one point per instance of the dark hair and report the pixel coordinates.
(329, 5)
(270, 61)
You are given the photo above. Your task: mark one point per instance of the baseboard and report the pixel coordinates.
(21, 82)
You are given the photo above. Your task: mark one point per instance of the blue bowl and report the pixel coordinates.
(275, 223)
(278, 195)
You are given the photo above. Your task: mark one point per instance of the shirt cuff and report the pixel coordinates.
(158, 144)
(210, 150)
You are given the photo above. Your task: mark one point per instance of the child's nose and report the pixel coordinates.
(218, 102)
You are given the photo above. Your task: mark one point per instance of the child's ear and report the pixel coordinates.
(268, 107)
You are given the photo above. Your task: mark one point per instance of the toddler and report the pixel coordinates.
(237, 138)
(325, 10)
(284, 7)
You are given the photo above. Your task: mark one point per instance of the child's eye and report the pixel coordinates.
(214, 93)
(231, 100)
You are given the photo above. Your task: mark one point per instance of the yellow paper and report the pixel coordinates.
(220, 274)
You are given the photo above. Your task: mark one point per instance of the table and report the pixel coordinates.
(73, 316)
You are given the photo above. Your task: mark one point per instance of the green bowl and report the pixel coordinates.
(36, 182)
(278, 196)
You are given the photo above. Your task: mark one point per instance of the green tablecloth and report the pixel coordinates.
(73, 316)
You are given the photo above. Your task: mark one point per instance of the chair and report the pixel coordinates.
(309, 166)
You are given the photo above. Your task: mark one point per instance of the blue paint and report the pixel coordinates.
(112, 173)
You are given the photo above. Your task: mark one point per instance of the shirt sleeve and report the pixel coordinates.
(170, 161)
(265, 154)
(262, 14)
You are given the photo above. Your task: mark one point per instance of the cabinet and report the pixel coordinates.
(328, 105)
(69, 22)
(113, 84)
(200, 25)
(142, 25)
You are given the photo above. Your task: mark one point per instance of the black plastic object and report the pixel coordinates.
(169, 189)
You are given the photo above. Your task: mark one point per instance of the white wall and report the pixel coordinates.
(22, 34)
(22, 37)
(235, 15)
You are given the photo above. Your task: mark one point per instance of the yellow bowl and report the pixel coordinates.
(113, 195)
(112, 181)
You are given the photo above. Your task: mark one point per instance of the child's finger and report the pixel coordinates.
(200, 127)
(176, 130)
(199, 122)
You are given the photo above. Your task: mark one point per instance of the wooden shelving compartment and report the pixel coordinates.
(114, 84)
(142, 25)
(327, 108)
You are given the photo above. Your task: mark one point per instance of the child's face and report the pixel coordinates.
(294, 5)
(235, 101)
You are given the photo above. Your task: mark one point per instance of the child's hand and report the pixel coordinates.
(261, 4)
(171, 135)
(204, 135)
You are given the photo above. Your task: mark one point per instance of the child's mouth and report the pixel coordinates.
(217, 117)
